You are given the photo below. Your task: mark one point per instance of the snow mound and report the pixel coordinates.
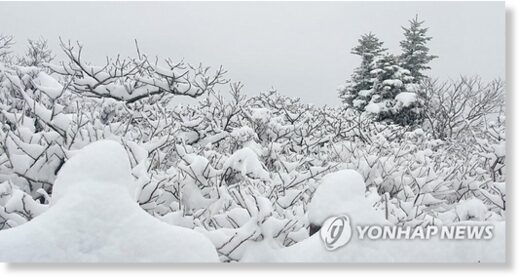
(103, 161)
(94, 219)
(343, 192)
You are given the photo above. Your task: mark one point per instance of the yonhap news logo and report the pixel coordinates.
(446, 232)
(337, 231)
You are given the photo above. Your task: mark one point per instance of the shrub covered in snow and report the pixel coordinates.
(94, 218)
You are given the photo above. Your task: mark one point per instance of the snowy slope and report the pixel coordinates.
(94, 218)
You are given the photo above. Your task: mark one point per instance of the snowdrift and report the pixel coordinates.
(93, 217)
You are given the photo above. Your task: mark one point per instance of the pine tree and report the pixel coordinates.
(389, 80)
(389, 77)
(386, 101)
(355, 93)
(415, 56)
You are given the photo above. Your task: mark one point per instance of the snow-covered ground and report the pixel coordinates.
(388, 251)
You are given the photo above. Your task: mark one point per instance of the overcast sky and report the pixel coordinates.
(300, 48)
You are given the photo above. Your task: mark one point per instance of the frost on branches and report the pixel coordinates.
(243, 173)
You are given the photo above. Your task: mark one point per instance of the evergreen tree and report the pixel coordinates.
(415, 56)
(355, 93)
(389, 77)
(390, 99)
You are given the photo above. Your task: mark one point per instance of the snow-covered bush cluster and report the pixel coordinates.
(94, 218)
(238, 169)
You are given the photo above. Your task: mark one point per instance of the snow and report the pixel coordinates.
(393, 82)
(376, 71)
(87, 165)
(373, 108)
(357, 103)
(343, 192)
(429, 199)
(59, 120)
(288, 198)
(94, 218)
(252, 185)
(406, 98)
(169, 72)
(48, 85)
(501, 186)
(365, 93)
(339, 193)
(244, 133)
(20, 202)
(412, 87)
(500, 149)
(246, 162)
(238, 215)
(471, 209)
(261, 114)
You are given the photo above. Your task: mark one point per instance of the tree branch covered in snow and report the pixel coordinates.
(454, 108)
(133, 79)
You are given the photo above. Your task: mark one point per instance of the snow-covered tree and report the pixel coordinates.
(354, 92)
(415, 52)
(6, 41)
(454, 109)
(37, 53)
(390, 98)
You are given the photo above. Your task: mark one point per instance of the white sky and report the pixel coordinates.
(300, 48)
